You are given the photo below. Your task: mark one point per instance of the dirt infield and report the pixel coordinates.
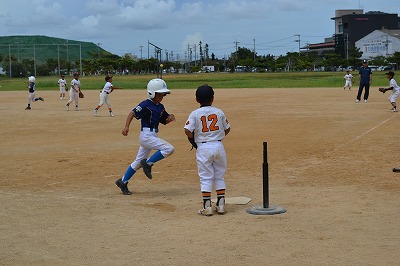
(330, 166)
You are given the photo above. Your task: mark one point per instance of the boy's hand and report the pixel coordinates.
(125, 131)
(170, 118)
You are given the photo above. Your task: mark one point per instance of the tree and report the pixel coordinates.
(354, 56)
(395, 60)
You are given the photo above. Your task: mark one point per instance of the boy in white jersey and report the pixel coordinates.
(206, 127)
(62, 83)
(349, 80)
(107, 89)
(74, 92)
(395, 90)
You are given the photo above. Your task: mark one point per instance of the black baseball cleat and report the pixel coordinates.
(40, 98)
(123, 186)
(146, 168)
(28, 108)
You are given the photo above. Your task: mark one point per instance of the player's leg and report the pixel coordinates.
(100, 104)
(220, 165)
(366, 93)
(392, 98)
(122, 183)
(206, 174)
(76, 98)
(360, 89)
(150, 140)
(71, 99)
(107, 100)
(30, 99)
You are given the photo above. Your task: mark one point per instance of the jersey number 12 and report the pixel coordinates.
(213, 125)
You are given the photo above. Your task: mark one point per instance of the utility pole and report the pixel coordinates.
(80, 56)
(34, 58)
(236, 47)
(236, 53)
(98, 49)
(9, 57)
(298, 40)
(254, 50)
(58, 58)
(141, 50)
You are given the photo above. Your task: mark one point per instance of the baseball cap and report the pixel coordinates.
(365, 61)
(390, 73)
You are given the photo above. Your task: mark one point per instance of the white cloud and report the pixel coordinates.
(192, 40)
(171, 24)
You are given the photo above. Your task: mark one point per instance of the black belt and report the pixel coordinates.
(105, 92)
(151, 129)
(208, 141)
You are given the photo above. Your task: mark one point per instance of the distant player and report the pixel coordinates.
(349, 80)
(32, 88)
(74, 92)
(206, 127)
(151, 113)
(107, 89)
(62, 83)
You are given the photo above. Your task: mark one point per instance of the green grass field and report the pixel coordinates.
(216, 80)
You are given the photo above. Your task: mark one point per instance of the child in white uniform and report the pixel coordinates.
(395, 90)
(349, 80)
(62, 83)
(206, 127)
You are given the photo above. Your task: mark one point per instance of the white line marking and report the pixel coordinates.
(111, 175)
(56, 183)
(368, 131)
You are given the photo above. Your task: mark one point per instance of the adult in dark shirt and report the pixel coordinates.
(364, 81)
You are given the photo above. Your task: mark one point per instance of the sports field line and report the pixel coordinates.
(346, 144)
(366, 132)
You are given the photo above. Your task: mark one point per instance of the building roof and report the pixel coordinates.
(393, 33)
(321, 45)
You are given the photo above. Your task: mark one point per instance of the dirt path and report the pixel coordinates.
(330, 164)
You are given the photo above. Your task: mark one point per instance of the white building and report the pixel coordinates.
(379, 43)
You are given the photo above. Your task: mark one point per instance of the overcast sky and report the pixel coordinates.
(126, 26)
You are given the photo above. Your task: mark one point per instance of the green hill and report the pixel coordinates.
(42, 48)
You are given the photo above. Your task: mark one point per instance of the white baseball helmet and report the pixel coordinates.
(31, 79)
(157, 85)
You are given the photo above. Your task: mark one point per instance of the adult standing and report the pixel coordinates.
(364, 81)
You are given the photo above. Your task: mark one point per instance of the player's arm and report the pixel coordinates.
(189, 133)
(115, 88)
(129, 119)
(390, 88)
(227, 131)
(190, 136)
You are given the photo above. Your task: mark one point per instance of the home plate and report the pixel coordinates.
(235, 200)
